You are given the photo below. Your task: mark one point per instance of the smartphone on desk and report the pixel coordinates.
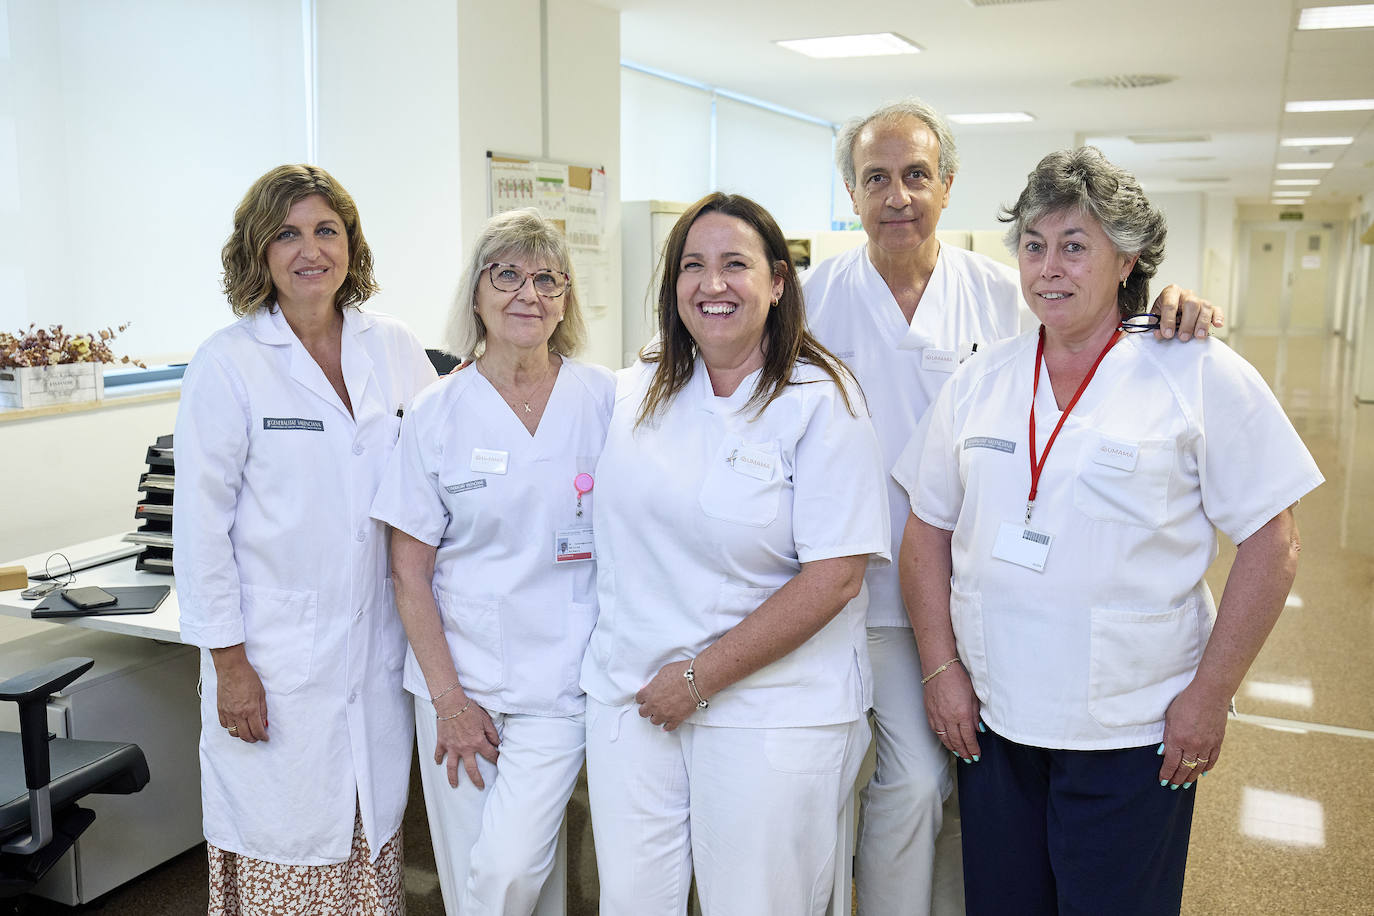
(88, 597)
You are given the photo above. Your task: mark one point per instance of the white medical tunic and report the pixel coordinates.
(470, 480)
(705, 512)
(970, 301)
(274, 548)
(1166, 442)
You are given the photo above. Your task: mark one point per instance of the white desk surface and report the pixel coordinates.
(163, 624)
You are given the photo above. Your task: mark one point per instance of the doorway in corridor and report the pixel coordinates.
(1288, 275)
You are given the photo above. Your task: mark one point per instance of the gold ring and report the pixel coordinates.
(1190, 764)
(233, 730)
(1202, 760)
(942, 734)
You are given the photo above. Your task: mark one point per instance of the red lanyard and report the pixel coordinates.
(1035, 469)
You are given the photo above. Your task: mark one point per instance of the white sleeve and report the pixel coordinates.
(211, 443)
(928, 468)
(1251, 462)
(409, 498)
(839, 506)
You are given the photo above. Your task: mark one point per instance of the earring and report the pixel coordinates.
(1123, 282)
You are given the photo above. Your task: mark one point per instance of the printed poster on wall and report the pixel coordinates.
(573, 197)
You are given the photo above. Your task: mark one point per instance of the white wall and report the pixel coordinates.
(1183, 246)
(388, 131)
(1218, 252)
(992, 171)
(784, 163)
(128, 134)
(58, 493)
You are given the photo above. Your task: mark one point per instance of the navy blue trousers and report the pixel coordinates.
(1071, 832)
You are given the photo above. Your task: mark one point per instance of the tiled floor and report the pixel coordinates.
(1285, 824)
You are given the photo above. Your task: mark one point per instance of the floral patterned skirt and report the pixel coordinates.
(244, 886)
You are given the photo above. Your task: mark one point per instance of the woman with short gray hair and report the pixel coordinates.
(489, 498)
(1053, 567)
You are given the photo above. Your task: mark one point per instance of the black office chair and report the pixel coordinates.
(42, 778)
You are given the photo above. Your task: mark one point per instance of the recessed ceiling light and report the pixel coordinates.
(1331, 105)
(873, 45)
(1316, 141)
(1355, 16)
(1303, 166)
(992, 117)
(1290, 194)
(1296, 182)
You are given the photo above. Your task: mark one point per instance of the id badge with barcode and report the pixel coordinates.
(1023, 546)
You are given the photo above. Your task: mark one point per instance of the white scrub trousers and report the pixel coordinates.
(908, 861)
(494, 847)
(754, 810)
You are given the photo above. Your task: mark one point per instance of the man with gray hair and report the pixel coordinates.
(903, 311)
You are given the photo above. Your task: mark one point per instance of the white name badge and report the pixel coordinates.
(1023, 546)
(489, 461)
(573, 545)
(935, 360)
(1116, 454)
(752, 462)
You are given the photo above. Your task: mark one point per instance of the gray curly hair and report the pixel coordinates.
(896, 111)
(1082, 180)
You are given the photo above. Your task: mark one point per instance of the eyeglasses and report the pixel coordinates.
(1138, 324)
(508, 278)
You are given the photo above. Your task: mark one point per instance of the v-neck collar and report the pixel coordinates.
(271, 327)
(509, 411)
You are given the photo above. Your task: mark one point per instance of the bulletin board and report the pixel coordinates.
(571, 196)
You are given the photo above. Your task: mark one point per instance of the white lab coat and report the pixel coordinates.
(970, 299)
(1166, 442)
(275, 549)
(689, 543)
(516, 622)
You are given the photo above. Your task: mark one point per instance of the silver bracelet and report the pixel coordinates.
(443, 693)
(456, 714)
(691, 677)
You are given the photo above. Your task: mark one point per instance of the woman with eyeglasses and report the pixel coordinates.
(489, 497)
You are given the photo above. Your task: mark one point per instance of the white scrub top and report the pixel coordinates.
(469, 479)
(705, 512)
(1166, 442)
(274, 548)
(970, 300)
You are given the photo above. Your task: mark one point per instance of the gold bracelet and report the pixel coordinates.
(443, 693)
(691, 677)
(940, 670)
(456, 714)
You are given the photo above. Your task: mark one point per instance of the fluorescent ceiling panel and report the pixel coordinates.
(1355, 16)
(1303, 166)
(874, 45)
(1316, 141)
(1296, 182)
(1330, 105)
(993, 117)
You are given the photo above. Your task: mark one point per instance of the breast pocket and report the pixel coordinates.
(743, 483)
(279, 634)
(1124, 481)
(473, 629)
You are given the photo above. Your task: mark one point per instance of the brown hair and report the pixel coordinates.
(786, 341)
(247, 278)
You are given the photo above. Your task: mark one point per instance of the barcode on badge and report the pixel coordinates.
(1035, 536)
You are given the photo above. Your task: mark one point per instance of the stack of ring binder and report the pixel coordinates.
(154, 509)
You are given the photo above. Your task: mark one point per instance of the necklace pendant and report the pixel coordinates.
(527, 407)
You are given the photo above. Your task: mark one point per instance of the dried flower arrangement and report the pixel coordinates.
(54, 346)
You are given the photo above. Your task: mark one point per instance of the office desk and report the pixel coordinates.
(163, 624)
(142, 689)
